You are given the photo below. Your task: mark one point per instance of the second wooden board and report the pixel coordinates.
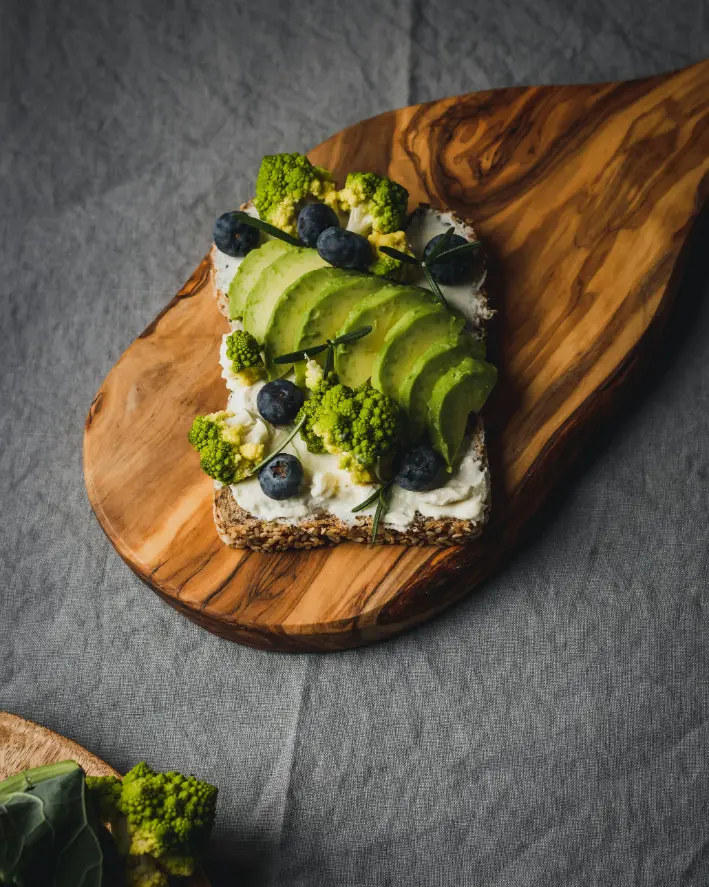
(584, 197)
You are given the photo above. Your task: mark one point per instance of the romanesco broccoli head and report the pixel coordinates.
(388, 266)
(163, 819)
(224, 451)
(143, 871)
(244, 353)
(284, 183)
(319, 385)
(363, 422)
(375, 203)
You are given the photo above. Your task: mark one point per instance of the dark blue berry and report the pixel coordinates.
(279, 401)
(313, 219)
(456, 269)
(281, 477)
(234, 237)
(345, 249)
(418, 469)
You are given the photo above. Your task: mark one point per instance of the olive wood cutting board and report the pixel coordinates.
(24, 744)
(584, 197)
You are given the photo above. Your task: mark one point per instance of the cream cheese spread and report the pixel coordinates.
(326, 486)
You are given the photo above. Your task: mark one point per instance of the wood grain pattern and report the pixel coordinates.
(584, 197)
(24, 744)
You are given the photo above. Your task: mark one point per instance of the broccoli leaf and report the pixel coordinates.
(47, 835)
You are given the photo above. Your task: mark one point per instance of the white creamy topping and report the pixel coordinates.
(326, 486)
(464, 297)
(225, 267)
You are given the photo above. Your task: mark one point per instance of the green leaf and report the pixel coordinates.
(266, 228)
(353, 336)
(382, 508)
(373, 498)
(48, 836)
(456, 251)
(278, 449)
(440, 246)
(397, 254)
(435, 289)
(297, 356)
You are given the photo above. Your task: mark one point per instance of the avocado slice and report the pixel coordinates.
(282, 334)
(329, 312)
(411, 335)
(272, 282)
(416, 390)
(248, 271)
(380, 310)
(461, 391)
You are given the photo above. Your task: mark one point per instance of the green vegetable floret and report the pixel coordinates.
(375, 203)
(319, 385)
(284, 183)
(224, 451)
(159, 821)
(244, 352)
(388, 266)
(362, 424)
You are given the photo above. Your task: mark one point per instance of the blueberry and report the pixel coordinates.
(455, 270)
(313, 219)
(279, 401)
(281, 477)
(345, 249)
(234, 237)
(418, 469)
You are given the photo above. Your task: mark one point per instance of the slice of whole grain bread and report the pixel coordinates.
(240, 529)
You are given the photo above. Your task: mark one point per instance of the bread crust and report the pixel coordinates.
(238, 528)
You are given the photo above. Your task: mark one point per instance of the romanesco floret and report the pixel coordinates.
(388, 266)
(244, 353)
(319, 385)
(160, 821)
(375, 203)
(284, 183)
(361, 422)
(224, 451)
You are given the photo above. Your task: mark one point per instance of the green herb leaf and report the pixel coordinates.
(353, 336)
(266, 228)
(281, 446)
(330, 359)
(47, 834)
(435, 289)
(297, 356)
(382, 508)
(397, 254)
(373, 498)
(456, 251)
(440, 246)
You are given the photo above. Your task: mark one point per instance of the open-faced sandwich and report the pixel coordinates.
(355, 365)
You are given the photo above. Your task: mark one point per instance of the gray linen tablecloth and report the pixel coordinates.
(552, 729)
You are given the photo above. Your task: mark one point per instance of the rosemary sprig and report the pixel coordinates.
(438, 254)
(440, 247)
(455, 251)
(329, 345)
(435, 288)
(381, 497)
(266, 228)
(279, 448)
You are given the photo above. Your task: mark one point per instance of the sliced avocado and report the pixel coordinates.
(329, 312)
(416, 390)
(461, 391)
(282, 334)
(248, 272)
(272, 282)
(411, 335)
(380, 310)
